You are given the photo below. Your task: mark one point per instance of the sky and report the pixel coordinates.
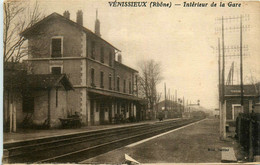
(183, 40)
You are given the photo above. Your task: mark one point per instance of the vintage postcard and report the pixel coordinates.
(131, 81)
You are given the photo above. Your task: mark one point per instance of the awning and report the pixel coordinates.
(45, 81)
(113, 94)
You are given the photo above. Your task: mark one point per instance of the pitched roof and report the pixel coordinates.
(58, 16)
(45, 81)
(127, 67)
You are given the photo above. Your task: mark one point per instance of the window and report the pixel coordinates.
(97, 106)
(91, 107)
(57, 94)
(110, 59)
(136, 84)
(56, 47)
(118, 83)
(28, 104)
(56, 70)
(102, 55)
(110, 82)
(101, 79)
(92, 77)
(130, 87)
(93, 45)
(124, 85)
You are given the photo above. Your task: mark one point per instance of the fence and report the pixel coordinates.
(247, 133)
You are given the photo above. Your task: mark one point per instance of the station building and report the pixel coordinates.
(103, 87)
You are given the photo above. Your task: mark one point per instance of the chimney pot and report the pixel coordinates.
(119, 58)
(80, 17)
(66, 14)
(97, 25)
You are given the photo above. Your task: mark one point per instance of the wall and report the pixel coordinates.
(39, 43)
(98, 44)
(72, 62)
(18, 104)
(236, 100)
(59, 111)
(40, 107)
(124, 74)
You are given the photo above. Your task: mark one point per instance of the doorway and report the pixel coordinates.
(92, 112)
(236, 109)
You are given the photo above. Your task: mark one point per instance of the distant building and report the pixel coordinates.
(171, 110)
(103, 87)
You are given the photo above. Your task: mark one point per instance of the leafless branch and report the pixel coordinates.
(150, 77)
(17, 17)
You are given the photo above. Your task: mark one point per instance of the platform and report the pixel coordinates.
(32, 134)
(195, 143)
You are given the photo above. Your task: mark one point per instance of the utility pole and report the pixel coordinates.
(223, 108)
(176, 99)
(169, 98)
(173, 104)
(230, 53)
(165, 97)
(220, 92)
(241, 66)
(183, 104)
(219, 72)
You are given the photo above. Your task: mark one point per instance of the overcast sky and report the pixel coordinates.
(181, 39)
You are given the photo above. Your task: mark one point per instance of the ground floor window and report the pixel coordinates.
(56, 70)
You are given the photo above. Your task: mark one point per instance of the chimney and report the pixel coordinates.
(80, 17)
(119, 58)
(97, 25)
(66, 14)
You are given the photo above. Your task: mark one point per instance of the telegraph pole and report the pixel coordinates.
(223, 108)
(219, 72)
(220, 93)
(169, 98)
(241, 66)
(222, 102)
(165, 97)
(183, 104)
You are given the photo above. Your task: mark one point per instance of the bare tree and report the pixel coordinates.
(253, 80)
(18, 16)
(150, 77)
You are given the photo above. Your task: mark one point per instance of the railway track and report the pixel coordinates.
(77, 147)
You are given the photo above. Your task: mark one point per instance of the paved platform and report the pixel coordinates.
(196, 143)
(30, 134)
